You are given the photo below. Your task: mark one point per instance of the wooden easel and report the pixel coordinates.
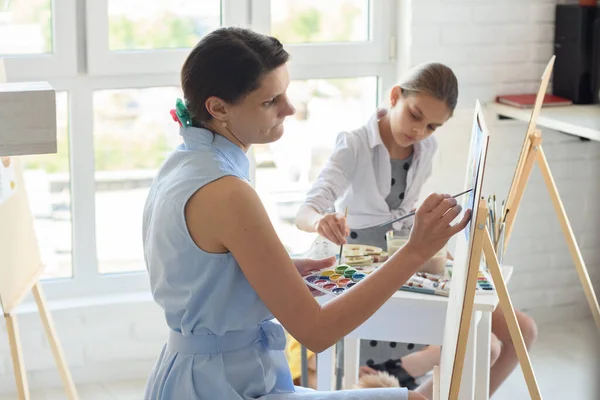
(532, 152)
(482, 245)
(20, 270)
(27, 256)
(17, 355)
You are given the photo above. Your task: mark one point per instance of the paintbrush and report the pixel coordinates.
(414, 212)
(342, 245)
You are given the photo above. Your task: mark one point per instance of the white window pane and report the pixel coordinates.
(48, 182)
(25, 27)
(287, 168)
(312, 21)
(133, 133)
(160, 24)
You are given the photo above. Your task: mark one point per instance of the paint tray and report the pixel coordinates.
(337, 279)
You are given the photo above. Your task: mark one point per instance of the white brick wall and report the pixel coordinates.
(499, 47)
(494, 46)
(545, 282)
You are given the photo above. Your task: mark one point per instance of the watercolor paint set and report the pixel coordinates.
(338, 279)
(484, 282)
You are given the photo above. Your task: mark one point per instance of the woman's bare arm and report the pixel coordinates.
(227, 215)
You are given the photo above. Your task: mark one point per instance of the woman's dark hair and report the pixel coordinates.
(227, 63)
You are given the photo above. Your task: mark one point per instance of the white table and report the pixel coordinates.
(581, 120)
(419, 318)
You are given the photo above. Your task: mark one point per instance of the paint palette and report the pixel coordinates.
(363, 255)
(484, 281)
(336, 280)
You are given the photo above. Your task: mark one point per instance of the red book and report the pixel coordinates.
(528, 100)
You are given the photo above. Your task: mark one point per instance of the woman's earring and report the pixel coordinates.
(224, 124)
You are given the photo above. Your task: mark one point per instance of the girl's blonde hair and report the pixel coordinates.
(435, 79)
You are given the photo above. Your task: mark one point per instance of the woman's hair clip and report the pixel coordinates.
(174, 116)
(181, 114)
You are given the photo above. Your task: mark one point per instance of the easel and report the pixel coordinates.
(17, 354)
(530, 153)
(27, 254)
(21, 267)
(482, 245)
(469, 252)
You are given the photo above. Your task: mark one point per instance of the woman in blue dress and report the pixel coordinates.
(216, 265)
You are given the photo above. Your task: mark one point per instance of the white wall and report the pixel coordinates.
(498, 47)
(545, 282)
(494, 47)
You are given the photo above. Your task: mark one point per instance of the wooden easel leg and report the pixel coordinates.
(17, 356)
(510, 317)
(515, 196)
(569, 236)
(466, 318)
(57, 351)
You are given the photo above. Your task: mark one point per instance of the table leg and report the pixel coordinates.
(351, 361)
(467, 385)
(484, 341)
(325, 364)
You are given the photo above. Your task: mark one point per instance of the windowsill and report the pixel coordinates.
(87, 302)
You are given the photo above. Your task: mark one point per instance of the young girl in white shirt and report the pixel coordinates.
(378, 171)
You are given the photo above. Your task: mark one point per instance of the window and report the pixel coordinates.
(133, 133)
(132, 24)
(47, 178)
(38, 35)
(115, 66)
(26, 28)
(332, 32)
(152, 36)
(316, 21)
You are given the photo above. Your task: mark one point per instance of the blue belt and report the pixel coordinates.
(268, 334)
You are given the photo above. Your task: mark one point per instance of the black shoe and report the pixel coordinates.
(394, 368)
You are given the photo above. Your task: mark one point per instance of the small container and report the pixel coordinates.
(395, 240)
(437, 264)
(349, 273)
(341, 269)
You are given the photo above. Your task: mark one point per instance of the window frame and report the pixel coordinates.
(86, 279)
(82, 67)
(103, 61)
(376, 49)
(63, 59)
